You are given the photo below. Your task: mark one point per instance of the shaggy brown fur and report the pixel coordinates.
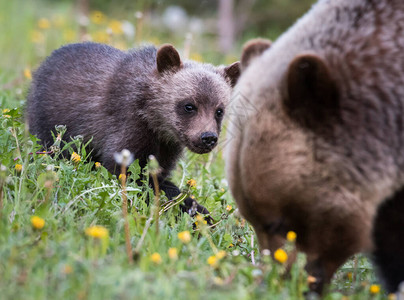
(146, 100)
(322, 147)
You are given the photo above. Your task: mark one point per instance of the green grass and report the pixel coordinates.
(60, 261)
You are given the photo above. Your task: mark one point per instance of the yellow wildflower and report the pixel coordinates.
(27, 73)
(43, 23)
(218, 281)
(97, 165)
(184, 236)
(349, 275)
(156, 258)
(291, 236)
(37, 222)
(75, 157)
(200, 220)
(115, 26)
(122, 177)
(392, 297)
(191, 183)
(311, 279)
(221, 254)
(67, 269)
(97, 17)
(59, 21)
(229, 207)
(37, 37)
(374, 289)
(18, 168)
(173, 253)
(212, 260)
(6, 110)
(97, 232)
(69, 35)
(100, 37)
(196, 57)
(281, 256)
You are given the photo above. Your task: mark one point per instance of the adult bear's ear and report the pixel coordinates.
(312, 94)
(232, 72)
(168, 59)
(253, 49)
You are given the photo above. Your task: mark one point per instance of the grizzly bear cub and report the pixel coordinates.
(320, 149)
(145, 100)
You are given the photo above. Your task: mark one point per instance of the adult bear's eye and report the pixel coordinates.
(219, 113)
(189, 107)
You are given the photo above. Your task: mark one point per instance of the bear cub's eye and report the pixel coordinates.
(189, 107)
(219, 113)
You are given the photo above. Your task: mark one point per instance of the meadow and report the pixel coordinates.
(62, 224)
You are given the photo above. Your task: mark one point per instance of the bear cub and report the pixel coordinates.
(146, 100)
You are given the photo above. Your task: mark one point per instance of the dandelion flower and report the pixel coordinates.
(200, 220)
(67, 269)
(291, 236)
(184, 236)
(69, 35)
(37, 37)
(122, 177)
(191, 183)
(212, 261)
(173, 253)
(43, 23)
(374, 289)
(6, 110)
(75, 157)
(27, 73)
(97, 232)
(97, 17)
(218, 280)
(392, 297)
(221, 254)
(281, 256)
(18, 168)
(311, 279)
(115, 26)
(101, 37)
(37, 222)
(156, 258)
(229, 207)
(97, 165)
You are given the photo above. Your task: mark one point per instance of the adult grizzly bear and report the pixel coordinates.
(146, 100)
(321, 145)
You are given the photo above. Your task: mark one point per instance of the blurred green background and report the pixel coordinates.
(208, 30)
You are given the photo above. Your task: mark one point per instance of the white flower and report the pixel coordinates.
(125, 157)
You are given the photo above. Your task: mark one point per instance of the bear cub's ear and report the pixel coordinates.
(253, 49)
(313, 98)
(168, 59)
(232, 72)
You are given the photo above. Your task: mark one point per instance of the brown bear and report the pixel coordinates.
(321, 147)
(146, 100)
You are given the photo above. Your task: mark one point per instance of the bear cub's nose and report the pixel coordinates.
(209, 139)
